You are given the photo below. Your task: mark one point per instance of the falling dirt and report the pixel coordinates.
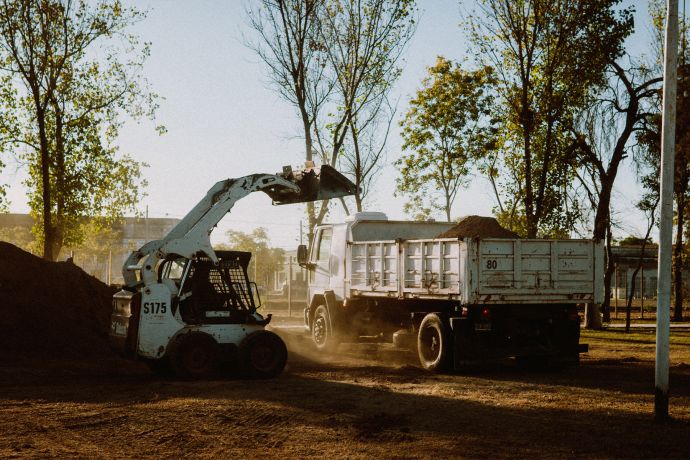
(478, 227)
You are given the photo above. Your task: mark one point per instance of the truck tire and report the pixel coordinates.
(322, 331)
(433, 345)
(195, 356)
(262, 355)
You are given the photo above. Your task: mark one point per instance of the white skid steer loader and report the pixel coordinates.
(189, 310)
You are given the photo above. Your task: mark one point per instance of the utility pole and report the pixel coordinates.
(289, 286)
(668, 141)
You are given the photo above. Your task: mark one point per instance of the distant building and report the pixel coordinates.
(626, 259)
(298, 284)
(130, 234)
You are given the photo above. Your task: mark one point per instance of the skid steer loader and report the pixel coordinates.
(190, 311)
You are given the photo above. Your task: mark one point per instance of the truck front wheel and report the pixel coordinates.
(433, 343)
(322, 331)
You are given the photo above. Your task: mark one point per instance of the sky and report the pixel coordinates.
(224, 119)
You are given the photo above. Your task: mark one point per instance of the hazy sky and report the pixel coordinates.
(224, 120)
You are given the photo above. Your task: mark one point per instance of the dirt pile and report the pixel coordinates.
(478, 227)
(51, 309)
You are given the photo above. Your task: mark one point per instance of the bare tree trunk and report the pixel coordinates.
(608, 276)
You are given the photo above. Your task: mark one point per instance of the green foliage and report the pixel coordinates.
(80, 74)
(632, 240)
(8, 98)
(447, 126)
(20, 237)
(548, 56)
(265, 259)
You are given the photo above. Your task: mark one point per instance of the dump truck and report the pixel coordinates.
(188, 310)
(456, 300)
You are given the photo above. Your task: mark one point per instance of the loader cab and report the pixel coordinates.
(222, 293)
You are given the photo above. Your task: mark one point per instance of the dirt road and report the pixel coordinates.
(368, 401)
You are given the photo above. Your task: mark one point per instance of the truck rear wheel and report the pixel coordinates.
(195, 356)
(262, 354)
(432, 343)
(322, 330)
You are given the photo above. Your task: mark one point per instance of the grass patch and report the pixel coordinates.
(677, 338)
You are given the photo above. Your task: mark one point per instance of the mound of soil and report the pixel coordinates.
(478, 227)
(51, 309)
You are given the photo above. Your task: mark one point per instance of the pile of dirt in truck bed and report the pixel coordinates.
(51, 309)
(478, 227)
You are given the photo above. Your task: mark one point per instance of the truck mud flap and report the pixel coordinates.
(468, 347)
(583, 348)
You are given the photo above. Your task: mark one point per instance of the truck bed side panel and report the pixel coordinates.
(490, 270)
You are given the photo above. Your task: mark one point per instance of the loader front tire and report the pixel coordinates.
(262, 355)
(195, 356)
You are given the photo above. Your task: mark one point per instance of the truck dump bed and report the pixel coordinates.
(478, 270)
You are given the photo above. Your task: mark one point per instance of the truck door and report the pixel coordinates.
(320, 276)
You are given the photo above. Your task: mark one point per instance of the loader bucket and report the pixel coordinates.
(315, 183)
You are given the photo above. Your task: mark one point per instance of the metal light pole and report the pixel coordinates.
(668, 141)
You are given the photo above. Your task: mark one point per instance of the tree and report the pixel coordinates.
(363, 41)
(336, 54)
(447, 126)
(652, 142)
(20, 237)
(7, 125)
(289, 46)
(648, 204)
(364, 149)
(548, 55)
(603, 136)
(265, 260)
(70, 107)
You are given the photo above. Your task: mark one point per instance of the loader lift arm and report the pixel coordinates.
(191, 235)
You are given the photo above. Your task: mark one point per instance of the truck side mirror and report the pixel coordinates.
(302, 255)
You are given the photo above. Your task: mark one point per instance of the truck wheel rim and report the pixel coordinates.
(320, 330)
(431, 344)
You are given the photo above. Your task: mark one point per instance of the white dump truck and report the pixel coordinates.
(456, 300)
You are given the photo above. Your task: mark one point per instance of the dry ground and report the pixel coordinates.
(369, 401)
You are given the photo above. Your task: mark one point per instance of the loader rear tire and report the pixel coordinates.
(195, 356)
(262, 355)
(433, 344)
